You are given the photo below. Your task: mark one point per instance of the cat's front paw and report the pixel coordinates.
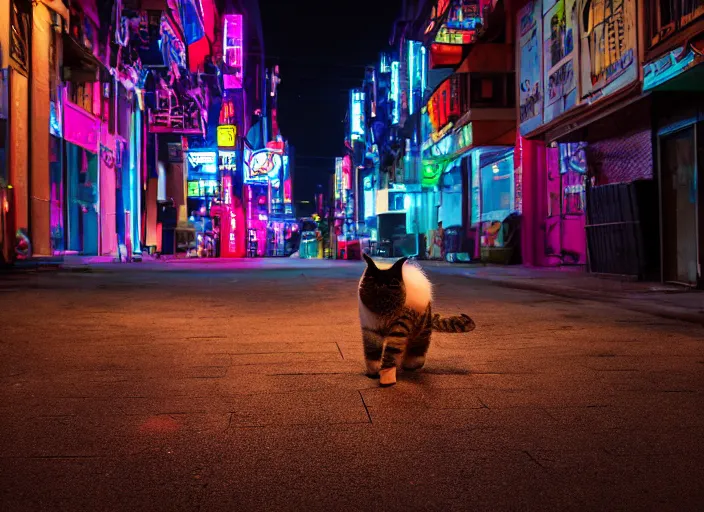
(371, 375)
(387, 376)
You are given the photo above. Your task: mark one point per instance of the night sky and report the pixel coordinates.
(322, 48)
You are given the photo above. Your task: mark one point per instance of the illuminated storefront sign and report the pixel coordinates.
(227, 136)
(260, 165)
(416, 74)
(357, 121)
(669, 66)
(233, 53)
(444, 105)
(203, 188)
(202, 162)
(463, 21)
(227, 161)
(338, 177)
(395, 93)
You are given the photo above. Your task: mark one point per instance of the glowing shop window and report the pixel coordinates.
(497, 190)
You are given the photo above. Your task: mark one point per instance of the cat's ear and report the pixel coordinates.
(370, 262)
(396, 267)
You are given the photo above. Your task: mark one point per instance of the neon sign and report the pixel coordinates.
(395, 92)
(356, 115)
(260, 165)
(227, 161)
(669, 66)
(338, 177)
(233, 51)
(443, 105)
(464, 19)
(226, 136)
(203, 161)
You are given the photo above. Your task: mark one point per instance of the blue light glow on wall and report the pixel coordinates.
(395, 93)
(423, 69)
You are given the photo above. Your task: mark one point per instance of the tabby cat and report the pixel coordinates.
(397, 320)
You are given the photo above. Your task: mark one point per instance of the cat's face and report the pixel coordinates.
(382, 291)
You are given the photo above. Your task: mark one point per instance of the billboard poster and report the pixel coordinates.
(608, 46)
(559, 57)
(530, 87)
(261, 165)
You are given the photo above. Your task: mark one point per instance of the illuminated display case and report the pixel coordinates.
(497, 189)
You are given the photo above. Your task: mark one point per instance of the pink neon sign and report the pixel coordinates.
(233, 52)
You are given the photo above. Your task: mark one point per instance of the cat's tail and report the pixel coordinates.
(461, 323)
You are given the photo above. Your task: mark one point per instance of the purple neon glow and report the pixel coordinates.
(233, 51)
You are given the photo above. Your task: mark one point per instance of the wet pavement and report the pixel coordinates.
(240, 386)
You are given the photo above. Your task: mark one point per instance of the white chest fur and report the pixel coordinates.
(419, 293)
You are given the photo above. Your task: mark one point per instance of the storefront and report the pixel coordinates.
(495, 189)
(203, 192)
(580, 130)
(676, 81)
(81, 134)
(230, 213)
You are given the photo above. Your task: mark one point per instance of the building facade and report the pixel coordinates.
(124, 127)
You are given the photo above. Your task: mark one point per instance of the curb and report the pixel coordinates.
(582, 294)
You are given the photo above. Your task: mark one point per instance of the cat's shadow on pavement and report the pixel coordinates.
(417, 375)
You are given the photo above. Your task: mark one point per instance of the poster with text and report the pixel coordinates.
(530, 87)
(608, 46)
(559, 57)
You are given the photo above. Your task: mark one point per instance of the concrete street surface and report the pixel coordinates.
(239, 386)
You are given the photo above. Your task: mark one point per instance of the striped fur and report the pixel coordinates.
(461, 323)
(395, 312)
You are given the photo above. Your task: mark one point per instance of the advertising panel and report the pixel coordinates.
(227, 162)
(559, 56)
(608, 46)
(226, 136)
(260, 165)
(202, 162)
(530, 87)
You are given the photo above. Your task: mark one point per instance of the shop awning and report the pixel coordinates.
(570, 126)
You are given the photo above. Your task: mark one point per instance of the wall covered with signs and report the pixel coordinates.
(608, 46)
(572, 52)
(530, 87)
(560, 66)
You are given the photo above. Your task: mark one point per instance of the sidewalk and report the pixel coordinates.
(668, 301)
